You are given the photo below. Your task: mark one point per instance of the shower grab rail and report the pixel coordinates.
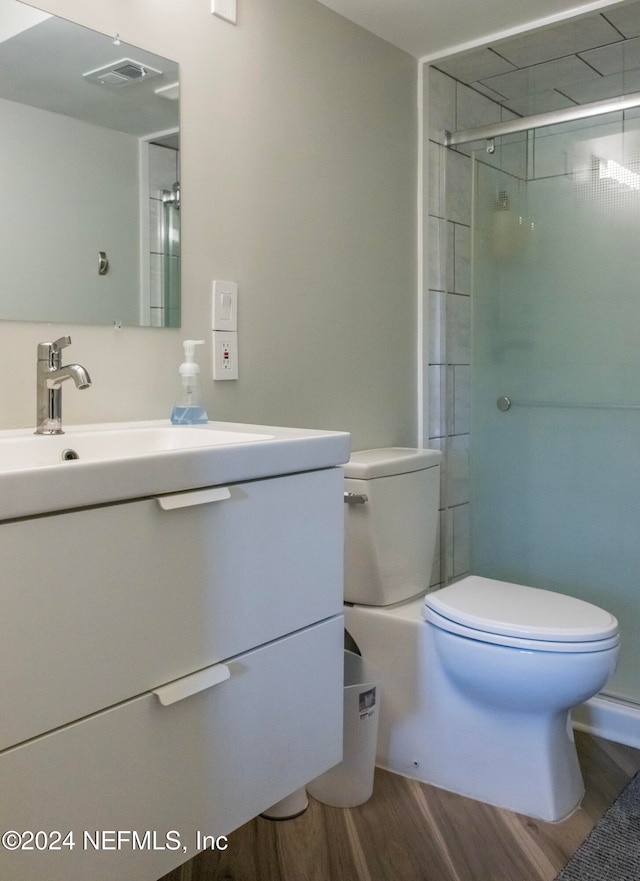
(505, 403)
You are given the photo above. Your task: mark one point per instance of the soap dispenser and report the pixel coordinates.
(188, 409)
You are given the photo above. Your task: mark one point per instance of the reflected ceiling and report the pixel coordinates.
(57, 82)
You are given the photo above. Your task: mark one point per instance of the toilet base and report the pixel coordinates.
(513, 758)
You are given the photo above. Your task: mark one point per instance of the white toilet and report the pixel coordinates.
(478, 678)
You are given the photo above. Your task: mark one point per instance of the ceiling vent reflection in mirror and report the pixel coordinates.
(120, 73)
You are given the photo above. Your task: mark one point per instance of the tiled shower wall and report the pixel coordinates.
(451, 106)
(164, 172)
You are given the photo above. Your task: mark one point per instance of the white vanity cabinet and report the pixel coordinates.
(169, 666)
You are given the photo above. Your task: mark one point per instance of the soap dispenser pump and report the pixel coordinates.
(188, 409)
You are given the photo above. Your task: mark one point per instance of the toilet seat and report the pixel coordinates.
(521, 617)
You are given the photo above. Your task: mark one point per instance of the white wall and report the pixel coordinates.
(298, 182)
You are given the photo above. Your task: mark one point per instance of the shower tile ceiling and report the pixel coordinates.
(589, 59)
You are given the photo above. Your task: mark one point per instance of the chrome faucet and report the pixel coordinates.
(50, 376)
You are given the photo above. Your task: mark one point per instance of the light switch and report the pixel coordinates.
(224, 9)
(224, 305)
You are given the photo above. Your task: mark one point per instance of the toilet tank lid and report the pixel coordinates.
(367, 464)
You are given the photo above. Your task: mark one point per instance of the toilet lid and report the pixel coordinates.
(501, 608)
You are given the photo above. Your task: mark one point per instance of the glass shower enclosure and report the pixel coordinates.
(555, 431)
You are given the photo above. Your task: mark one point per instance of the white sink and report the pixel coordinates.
(99, 464)
(37, 451)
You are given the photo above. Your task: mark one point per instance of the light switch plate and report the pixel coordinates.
(224, 9)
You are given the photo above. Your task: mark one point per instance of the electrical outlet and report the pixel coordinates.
(225, 354)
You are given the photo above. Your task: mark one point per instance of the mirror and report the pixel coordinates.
(90, 147)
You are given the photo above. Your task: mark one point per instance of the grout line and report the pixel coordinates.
(422, 383)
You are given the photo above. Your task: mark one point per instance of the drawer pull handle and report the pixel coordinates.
(356, 498)
(199, 497)
(188, 685)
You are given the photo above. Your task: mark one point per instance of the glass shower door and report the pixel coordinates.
(555, 449)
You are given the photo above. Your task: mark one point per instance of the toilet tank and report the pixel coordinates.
(390, 538)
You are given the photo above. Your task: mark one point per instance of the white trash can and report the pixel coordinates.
(350, 783)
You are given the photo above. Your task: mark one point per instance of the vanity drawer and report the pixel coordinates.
(102, 604)
(208, 762)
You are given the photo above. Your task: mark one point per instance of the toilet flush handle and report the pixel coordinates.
(355, 498)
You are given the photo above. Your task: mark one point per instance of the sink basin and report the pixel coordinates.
(111, 462)
(37, 451)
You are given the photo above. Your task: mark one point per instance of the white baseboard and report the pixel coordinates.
(609, 718)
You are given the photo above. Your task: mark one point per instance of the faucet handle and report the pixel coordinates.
(62, 343)
(51, 351)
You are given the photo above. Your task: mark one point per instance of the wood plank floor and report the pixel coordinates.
(413, 832)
